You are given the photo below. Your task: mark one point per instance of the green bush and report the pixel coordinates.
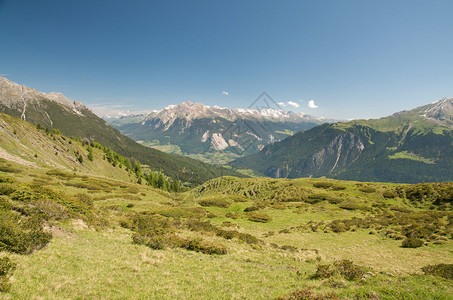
(323, 184)
(289, 248)
(412, 243)
(389, 194)
(344, 268)
(4, 179)
(204, 247)
(334, 199)
(367, 189)
(315, 198)
(339, 226)
(259, 217)
(180, 212)
(217, 202)
(307, 294)
(6, 189)
(338, 187)
(232, 215)
(349, 270)
(9, 169)
(324, 271)
(248, 238)
(441, 270)
(6, 269)
(350, 205)
(22, 235)
(252, 208)
(238, 198)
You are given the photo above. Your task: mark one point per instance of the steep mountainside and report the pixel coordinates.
(409, 146)
(74, 119)
(24, 144)
(194, 128)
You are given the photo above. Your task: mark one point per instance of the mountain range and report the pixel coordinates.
(72, 118)
(196, 129)
(408, 146)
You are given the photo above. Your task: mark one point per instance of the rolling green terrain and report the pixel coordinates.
(79, 221)
(67, 234)
(410, 146)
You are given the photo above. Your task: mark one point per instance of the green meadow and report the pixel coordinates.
(97, 237)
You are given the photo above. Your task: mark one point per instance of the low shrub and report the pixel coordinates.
(307, 294)
(338, 187)
(349, 270)
(7, 267)
(217, 202)
(350, 205)
(232, 215)
(197, 225)
(441, 270)
(334, 199)
(80, 185)
(315, 198)
(204, 247)
(344, 268)
(367, 189)
(389, 194)
(4, 179)
(289, 248)
(238, 198)
(339, 226)
(22, 235)
(323, 184)
(251, 208)
(248, 238)
(412, 243)
(259, 217)
(61, 174)
(6, 189)
(179, 212)
(9, 169)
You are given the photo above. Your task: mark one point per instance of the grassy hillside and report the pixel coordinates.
(229, 238)
(24, 144)
(52, 115)
(400, 148)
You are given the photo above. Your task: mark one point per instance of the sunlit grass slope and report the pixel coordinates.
(271, 237)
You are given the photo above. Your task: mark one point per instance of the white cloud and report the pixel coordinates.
(225, 93)
(281, 103)
(296, 105)
(312, 104)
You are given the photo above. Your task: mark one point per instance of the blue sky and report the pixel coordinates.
(354, 59)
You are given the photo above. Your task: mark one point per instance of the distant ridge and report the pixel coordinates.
(409, 146)
(194, 128)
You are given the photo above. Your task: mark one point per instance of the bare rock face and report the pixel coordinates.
(441, 112)
(342, 151)
(218, 142)
(18, 97)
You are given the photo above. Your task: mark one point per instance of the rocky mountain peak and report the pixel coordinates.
(190, 111)
(441, 111)
(12, 93)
